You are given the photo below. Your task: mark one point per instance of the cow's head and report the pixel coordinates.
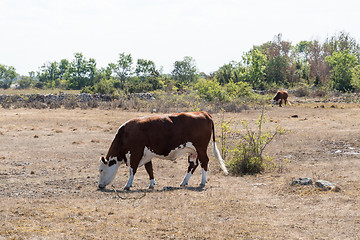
(275, 102)
(107, 170)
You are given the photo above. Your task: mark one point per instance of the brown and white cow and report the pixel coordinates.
(280, 97)
(165, 136)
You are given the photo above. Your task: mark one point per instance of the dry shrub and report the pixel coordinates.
(70, 102)
(320, 93)
(5, 105)
(234, 107)
(36, 105)
(247, 155)
(302, 91)
(54, 105)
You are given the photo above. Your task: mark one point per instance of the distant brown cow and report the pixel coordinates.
(280, 97)
(165, 136)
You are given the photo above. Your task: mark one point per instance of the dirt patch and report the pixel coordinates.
(49, 183)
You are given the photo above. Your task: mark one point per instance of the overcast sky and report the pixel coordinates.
(213, 32)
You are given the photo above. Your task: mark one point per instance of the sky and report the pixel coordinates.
(212, 32)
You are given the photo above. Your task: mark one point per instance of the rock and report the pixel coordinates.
(301, 181)
(326, 186)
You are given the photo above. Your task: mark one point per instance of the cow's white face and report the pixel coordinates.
(273, 102)
(107, 171)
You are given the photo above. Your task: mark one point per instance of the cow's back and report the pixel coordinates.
(164, 133)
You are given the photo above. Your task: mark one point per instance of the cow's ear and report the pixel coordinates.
(103, 160)
(112, 162)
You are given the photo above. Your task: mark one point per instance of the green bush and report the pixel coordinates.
(209, 89)
(103, 87)
(248, 154)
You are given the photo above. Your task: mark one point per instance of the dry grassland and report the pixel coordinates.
(49, 174)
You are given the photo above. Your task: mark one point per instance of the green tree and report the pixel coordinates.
(342, 63)
(231, 72)
(123, 67)
(302, 51)
(145, 68)
(81, 72)
(278, 60)
(26, 82)
(48, 72)
(255, 62)
(184, 71)
(63, 68)
(7, 76)
(355, 80)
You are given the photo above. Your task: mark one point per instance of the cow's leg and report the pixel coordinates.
(134, 163)
(193, 163)
(280, 102)
(204, 161)
(131, 179)
(149, 170)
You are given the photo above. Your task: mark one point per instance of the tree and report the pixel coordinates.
(255, 62)
(7, 76)
(81, 72)
(145, 68)
(278, 60)
(230, 72)
(342, 63)
(355, 80)
(26, 82)
(340, 42)
(319, 69)
(184, 71)
(63, 68)
(48, 74)
(123, 67)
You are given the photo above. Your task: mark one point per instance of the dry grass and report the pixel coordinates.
(49, 183)
(11, 91)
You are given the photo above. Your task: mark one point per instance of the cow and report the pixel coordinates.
(167, 136)
(280, 97)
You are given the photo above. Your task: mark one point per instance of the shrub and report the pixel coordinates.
(239, 89)
(209, 89)
(302, 91)
(248, 153)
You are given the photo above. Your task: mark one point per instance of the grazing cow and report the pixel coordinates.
(166, 136)
(280, 97)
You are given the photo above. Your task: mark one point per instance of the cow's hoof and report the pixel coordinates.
(183, 185)
(151, 187)
(201, 185)
(127, 188)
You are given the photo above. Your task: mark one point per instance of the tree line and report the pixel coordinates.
(331, 65)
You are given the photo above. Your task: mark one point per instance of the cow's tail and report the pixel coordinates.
(217, 153)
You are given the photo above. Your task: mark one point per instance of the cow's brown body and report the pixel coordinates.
(164, 136)
(281, 97)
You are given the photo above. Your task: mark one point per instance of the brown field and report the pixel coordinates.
(49, 173)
